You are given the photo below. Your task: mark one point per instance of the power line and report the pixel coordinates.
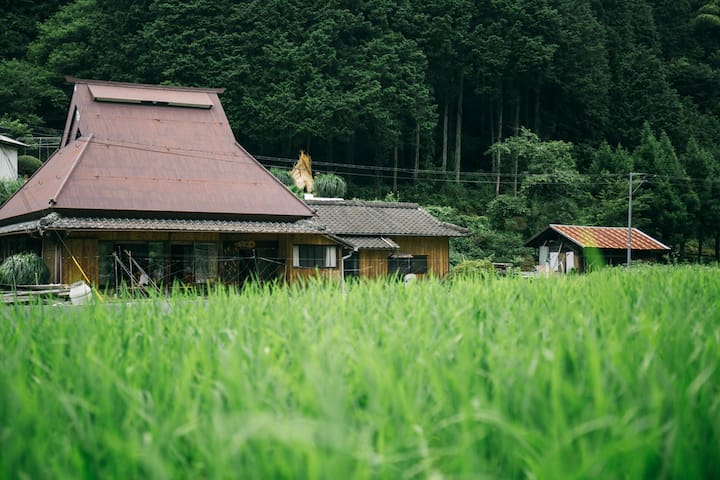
(468, 177)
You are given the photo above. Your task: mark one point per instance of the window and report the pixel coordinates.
(314, 256)
(404, 264)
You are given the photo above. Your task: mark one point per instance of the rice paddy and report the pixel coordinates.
(614, 374)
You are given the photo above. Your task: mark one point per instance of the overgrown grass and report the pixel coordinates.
(611, 375)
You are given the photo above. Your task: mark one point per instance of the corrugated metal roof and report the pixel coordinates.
(362, 218)
(608, 237)
(55, 221)
(152, 158)
(370, 243)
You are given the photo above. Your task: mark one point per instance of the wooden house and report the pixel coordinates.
(150, 179)
(565, 248)
(388, 238)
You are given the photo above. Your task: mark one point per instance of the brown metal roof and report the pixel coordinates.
(362, 218)
(613, 238)
(122, 156)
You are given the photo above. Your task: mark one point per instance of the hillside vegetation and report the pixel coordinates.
(534, 111)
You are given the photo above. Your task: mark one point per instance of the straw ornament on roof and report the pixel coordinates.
(302, 173)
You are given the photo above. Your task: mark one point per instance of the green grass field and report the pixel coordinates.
(614, 374)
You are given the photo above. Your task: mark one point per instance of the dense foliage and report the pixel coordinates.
(593, 376)
(550, 101)
(24, 269)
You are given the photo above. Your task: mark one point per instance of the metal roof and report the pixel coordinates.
(122, 156)
(363, 218)
(9, 141)
(611, 238)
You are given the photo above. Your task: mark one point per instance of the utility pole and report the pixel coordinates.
(631, 190)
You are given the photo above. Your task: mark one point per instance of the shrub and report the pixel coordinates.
(284, 176)
(8, 187)
(473, 268)
(330, 185)
(24, 269)
(27, 164)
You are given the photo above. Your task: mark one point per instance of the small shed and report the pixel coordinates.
(9, 157)
(564, 248)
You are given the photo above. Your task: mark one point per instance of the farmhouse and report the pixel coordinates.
(9, 157)
(149, 179)
(563, 248)
(388, 238)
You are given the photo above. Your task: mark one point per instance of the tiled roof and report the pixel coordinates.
(614, 238)
(55, 221)
(363, 218)
(370, 243)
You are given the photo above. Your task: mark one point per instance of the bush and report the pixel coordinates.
(284, 176)
(473, 269)
(330, 185)
(8, 187)
(27, 164)
(24, 269)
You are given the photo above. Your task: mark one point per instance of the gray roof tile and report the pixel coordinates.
(364, 218)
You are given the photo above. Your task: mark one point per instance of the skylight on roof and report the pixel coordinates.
(149, 96)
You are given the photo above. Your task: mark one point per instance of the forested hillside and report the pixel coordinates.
(524, 111)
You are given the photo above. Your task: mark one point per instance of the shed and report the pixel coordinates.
(564, 248)
(9, 157)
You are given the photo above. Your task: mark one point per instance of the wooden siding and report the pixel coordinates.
(85, 251)
(293, 273)
(437, 250)
(374, 263)
(52, 257)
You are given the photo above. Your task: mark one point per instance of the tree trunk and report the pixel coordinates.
(351, 149)
(330, 149)
(458, 129)
(682, 250)
(498, 160)
(417, 151)
(395, 165)
(700, 248)
(536, 122)
(445, 138)
(516, 132)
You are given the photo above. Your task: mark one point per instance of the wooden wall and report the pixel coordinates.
(374, 263)
(293, 273)
(85, 251)
(84, 247)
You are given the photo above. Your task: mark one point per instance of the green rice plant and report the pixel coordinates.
(330, 185)
(614, 374)
(24, 269)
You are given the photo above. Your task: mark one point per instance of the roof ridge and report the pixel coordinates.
(147, 86)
